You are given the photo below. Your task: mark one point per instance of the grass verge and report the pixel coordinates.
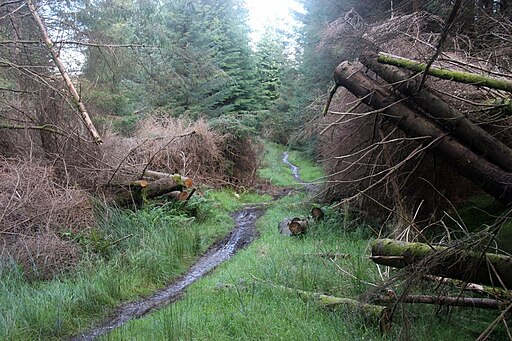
(230, 304)
(132, 254)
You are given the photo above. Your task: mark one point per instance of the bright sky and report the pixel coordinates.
(271, 12)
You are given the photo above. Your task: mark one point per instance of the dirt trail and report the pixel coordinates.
(311, 188)
(242, 235)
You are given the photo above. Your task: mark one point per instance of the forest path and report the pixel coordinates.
(242, 235)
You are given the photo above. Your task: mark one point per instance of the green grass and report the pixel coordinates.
(163, 242)
(231, 305)
(280, 174)
(308, 170)
(274, 169)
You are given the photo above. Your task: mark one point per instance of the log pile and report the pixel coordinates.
(155, 184)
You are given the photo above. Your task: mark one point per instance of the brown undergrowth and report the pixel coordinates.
(51, 175)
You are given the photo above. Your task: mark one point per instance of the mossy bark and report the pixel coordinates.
(457, 76)
(470, 266)
(375, 314)
(472, 135)
(467, 302)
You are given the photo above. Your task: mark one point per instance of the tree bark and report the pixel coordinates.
(457, 76)
(468, 302)
(141, 190)
(488, 176)
(186, 182)
(469, 266)
(55, 56)
(459, 125)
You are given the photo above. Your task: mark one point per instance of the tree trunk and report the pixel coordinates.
(472, 135)
(55, 56)
(488, 176)
(469, 266)
(468, 302)
(141, 190)
(374, 314)
(457, 76)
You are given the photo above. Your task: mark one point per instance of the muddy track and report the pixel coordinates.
(242, 235)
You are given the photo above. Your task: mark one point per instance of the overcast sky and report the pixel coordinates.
(271, 12)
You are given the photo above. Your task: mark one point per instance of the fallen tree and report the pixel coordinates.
(477, 169)
(458, 76)
(467, 302)
(375, 314)
(469, 266)
(471, 134)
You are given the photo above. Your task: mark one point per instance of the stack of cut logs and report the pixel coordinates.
(155, 184)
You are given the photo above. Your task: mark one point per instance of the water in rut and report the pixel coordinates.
(243, 234)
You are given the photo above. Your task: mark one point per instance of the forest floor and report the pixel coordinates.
(238, 300)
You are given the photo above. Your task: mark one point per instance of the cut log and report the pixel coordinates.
(141, 190)
(298, 227)
(375, 314)
(472, 135)
(477, 169)
(182, 180)
(457, 76)
(468, 302)
(469, 266)
(177, 195)
(317, 213)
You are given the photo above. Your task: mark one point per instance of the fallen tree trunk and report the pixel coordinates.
(374, 314)
(468, 302)
(488, 176)
(469, 266)
(62, 69)
(472, 135)
(457, 76)
(186, 182)
(140, 190)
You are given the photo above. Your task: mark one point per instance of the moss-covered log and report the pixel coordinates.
(457, 76)
(375, 314)
(467, 302)
(477, 169)
(470, 266)
(472, 135)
